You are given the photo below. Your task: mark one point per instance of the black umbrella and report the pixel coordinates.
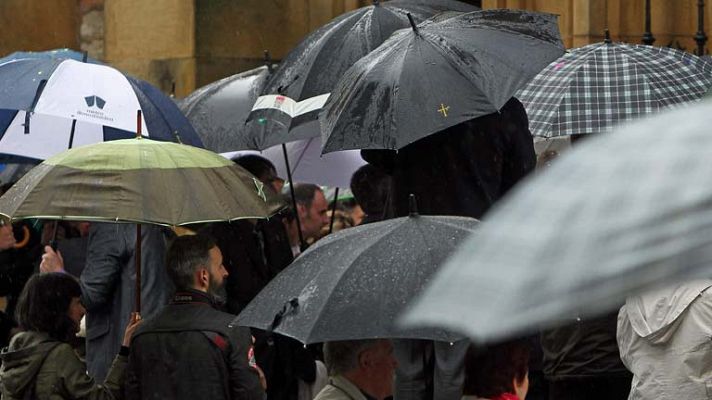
(436, 75)
(299, 87)
(218, 111)
(352, 284)
(314, 66)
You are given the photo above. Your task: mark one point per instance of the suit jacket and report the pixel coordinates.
(108, 284)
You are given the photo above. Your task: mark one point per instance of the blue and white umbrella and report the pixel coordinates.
(50, 54)
(50, 105)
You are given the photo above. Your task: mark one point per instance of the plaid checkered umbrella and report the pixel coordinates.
(611, 218)
(595, 87)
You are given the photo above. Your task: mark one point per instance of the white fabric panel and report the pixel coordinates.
(91, 93)
(49, 135)
(309, 166)
(289, 106)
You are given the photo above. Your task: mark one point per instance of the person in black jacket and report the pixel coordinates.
(189, 350)
(461, 171)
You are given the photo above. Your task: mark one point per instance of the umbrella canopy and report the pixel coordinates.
(595, 87)
(50, 105)
(141, 181)
(352, 284)
(50, 54)
(436, 75)
(316, 64)
(219, 110)
(615, 216)
(308, 165)
(299, 87)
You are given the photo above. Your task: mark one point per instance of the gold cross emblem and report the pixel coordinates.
(443, 109)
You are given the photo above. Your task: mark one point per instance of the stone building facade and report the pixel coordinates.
(189, 43)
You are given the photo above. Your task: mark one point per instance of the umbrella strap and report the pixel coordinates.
(40, 89)
(290, 305)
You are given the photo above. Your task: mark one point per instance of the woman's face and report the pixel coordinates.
(76, 311)
(521, 388)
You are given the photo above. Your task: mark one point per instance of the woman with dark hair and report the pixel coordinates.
(497, 372)
(40, 362)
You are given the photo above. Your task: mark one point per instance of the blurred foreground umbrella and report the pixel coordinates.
(436, 75)
(595, 87)
(352, 284)
(138, 181)
(611, 218)
(299, 87)
(50, 105)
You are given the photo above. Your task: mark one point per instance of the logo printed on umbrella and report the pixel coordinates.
(443, 109)
(95, 100)
(95, 111)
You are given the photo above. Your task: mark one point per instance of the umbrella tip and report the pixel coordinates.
(607, 37)
(268, 60)
(376, 3)
(412, 23)
(413, 205)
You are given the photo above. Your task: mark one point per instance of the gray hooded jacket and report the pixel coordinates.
(665, 340)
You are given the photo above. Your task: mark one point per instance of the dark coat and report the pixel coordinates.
(583, 348)
(253, 253)
(50, 369)
(462, 170)
(189, 351)
(108, 284)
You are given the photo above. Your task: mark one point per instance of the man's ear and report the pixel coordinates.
(364, 359)
(203, 277)
(301, 210)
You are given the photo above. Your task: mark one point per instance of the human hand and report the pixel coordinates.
(134, 322)
(51, 261)
(7, 237)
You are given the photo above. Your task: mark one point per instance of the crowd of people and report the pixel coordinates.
(184, 343)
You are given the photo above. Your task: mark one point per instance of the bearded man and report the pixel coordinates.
(189, 350)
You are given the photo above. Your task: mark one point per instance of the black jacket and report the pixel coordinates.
(461, 170)
(189, 351)
(583, 348)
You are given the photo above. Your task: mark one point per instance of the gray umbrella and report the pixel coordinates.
(219, 110)
(352, 285)
(610, 218)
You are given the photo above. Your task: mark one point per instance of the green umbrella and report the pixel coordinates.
(138, 181)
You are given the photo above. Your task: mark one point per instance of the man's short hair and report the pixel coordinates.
(342, 356)
(185, 255)
(258, 166)
(370, 186)
(304, 195)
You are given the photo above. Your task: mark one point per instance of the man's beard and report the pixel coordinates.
(217, 291)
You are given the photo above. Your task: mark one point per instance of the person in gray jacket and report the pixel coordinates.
(664, 340)
(108, 284)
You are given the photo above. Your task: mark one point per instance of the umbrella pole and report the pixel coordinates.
(138, 268)
(53, 241)
(71, 134)
(302, 244)
(138, 233)
(333, 210)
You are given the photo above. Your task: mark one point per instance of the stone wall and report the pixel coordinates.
(194, 42)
